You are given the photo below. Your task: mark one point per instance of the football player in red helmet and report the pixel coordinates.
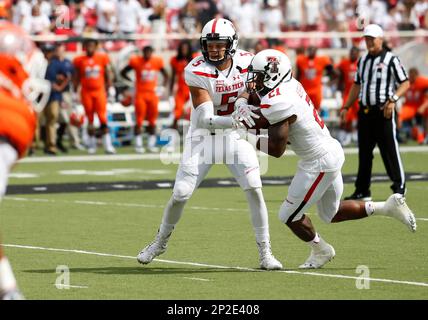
(19, 90)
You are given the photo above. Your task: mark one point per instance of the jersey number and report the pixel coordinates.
(316, 115)
(225, 101)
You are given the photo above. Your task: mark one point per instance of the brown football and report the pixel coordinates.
(254, 99)
(261, 123)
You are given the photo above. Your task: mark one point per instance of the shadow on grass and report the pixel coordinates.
(142, 270)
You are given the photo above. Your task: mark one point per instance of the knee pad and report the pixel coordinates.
(182, 191)
(251, 180)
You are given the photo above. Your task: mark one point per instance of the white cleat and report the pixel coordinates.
(267, 260)
(154, 249)
(140, 150)
(12, 295)
(319, 258)
(110, 150)
(92, 150)
(397, 208)
(153, 149)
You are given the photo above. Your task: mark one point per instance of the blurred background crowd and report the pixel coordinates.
(307, 30)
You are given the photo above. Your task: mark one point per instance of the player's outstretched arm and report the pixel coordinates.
(203, 109)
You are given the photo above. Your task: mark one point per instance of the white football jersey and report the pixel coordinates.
(308, 136)
(224, 87)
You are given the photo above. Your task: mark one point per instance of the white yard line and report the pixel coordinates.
(173, 156)
(196, 279)
(67, 286)
(119, 204)
(316, 274)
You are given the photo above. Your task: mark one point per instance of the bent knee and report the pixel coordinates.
(182, 191)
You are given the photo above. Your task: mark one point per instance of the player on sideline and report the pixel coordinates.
(288, 113)
(19, 61)
(216, 80)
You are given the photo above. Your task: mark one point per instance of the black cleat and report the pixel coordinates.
(362, 196)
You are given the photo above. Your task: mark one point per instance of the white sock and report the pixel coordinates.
(259, 214)
(317, 243)
(7, 279)
(152, 141)
(171, 216)
(139, 141)
(92, 142)
(375, 208)
(107, 141)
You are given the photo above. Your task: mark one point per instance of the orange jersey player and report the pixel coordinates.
(416, 102)
(310, 70)
(347, 68)
(18, 56)
(146, 68)
(182, 93)
(93, 74)
(416, 98)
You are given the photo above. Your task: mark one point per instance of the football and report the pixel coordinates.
(254, 99)
(261, 123)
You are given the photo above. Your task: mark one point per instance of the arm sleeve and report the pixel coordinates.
(399, 73)
(205, 119)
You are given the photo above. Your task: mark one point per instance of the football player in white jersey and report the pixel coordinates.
(216, 81)
(290, 118)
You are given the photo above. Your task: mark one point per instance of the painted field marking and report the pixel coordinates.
(317, 274)
(156, 156)
(196, 279)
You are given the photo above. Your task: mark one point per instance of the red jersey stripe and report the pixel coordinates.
(313, 187)
(203, 74)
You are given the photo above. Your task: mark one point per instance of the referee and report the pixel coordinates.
(379, 83)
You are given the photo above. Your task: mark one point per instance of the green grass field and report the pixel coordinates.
(212, 253)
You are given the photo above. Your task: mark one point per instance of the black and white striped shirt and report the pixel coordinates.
(379, 77)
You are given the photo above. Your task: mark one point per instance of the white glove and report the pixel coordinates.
(236, 122)
(244, 113)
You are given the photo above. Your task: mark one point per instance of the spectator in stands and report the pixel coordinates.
(45, 7)
(22, 11)
(271, 19)
(129, 13)
(415, 103)
(310, 70)
(188, 18)
(36, 23)
(158, 24)
(177, 83)
(94, 74)
(246, 20)
(146, 68)
(409, 17)
(294, 11)
(207, 10)
(107, 19)
(59, 77)
(347, 68)
(79, 20)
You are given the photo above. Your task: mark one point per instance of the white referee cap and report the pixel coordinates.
(373, 30)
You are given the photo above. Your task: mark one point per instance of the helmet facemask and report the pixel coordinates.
(256, 82)
(216, 38)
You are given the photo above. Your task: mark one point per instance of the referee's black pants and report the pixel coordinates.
(374, 128)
